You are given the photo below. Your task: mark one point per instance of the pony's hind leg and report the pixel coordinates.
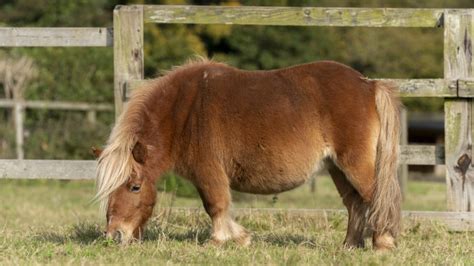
(215, 195)
(360, 173)
(356, 208)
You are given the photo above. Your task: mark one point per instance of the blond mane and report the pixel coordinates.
(116, 162)
(196, 60)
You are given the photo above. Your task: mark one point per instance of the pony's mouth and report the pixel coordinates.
(120, 237)
(115, 235)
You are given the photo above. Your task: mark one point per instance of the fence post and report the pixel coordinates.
(458, 64)
(312, 184)
(18, 115)
(92, 116)
(403, 168)
(128, 50)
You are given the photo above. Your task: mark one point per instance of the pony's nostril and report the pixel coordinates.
(118, 236)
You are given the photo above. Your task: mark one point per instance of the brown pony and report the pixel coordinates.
(259, 132)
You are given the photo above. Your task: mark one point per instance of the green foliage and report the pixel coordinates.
(86, 74)
(258, 47)
(72, 74)
(7, 136)
(173, 183)
(63, 135)
(169, 45)
(57, 13)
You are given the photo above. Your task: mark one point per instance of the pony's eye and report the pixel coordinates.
(135, 188)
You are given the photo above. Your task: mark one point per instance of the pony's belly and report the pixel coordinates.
(267, 175)
(266, 184)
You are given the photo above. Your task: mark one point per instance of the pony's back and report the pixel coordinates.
(278, 125)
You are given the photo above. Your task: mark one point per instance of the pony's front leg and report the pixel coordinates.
(225, 228)
(216, 198)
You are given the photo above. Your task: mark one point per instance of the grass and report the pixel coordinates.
(421, 196)
(52, 222)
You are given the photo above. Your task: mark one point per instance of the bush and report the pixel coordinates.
(171, 182)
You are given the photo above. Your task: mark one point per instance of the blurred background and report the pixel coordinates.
(85, 75)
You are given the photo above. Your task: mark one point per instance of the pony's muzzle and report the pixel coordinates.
(114, 235)
(119, 236)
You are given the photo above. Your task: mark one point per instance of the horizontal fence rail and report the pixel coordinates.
(425, 87)
(466, 88)
(56, 37)
(422, 154)
(55, 105)
(407, 87)
(48, 169)
(85, 169)
(294, 16)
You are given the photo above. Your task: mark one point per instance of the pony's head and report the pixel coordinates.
(126, 190)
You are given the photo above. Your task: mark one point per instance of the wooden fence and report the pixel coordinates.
(457, 86)
(19, 106)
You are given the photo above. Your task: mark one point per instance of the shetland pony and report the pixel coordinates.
(259, 132)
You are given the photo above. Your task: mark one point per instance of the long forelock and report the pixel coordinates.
(116, 162)
(114, 168)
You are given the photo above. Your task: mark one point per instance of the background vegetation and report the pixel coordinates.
(86, 74)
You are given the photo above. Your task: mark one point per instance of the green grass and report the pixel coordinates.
(421, 196)
(52, 222)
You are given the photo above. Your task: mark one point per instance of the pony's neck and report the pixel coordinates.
(153, 103)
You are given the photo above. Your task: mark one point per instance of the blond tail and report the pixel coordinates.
(385, 213)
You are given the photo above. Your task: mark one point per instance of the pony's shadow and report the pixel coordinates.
(196, 235)
(286, 240)
(202, 236)
(81, 233)
(85, 234)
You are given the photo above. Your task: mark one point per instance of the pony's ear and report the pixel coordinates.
(96, 151)
(139, 152)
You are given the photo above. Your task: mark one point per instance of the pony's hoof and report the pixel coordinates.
(244, 240)
(384, 247)
(384, 242)
(351, 245)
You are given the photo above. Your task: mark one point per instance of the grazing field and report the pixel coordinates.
(52, 222)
